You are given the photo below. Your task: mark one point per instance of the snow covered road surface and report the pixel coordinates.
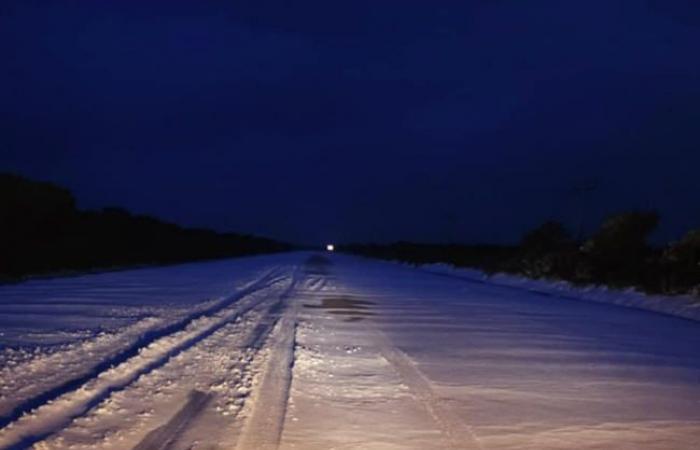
(303, 351)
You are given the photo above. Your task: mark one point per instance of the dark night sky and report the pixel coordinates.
(358, 120)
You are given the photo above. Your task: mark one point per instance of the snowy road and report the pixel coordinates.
(298, 351)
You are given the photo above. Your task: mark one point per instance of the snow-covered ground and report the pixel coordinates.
(685, 306)
(298, 351)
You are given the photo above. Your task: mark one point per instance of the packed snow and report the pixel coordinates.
(328, 351)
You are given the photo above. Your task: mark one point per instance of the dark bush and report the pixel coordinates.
(548, 251)
(618, 253)
(41, 231)
(681, 264)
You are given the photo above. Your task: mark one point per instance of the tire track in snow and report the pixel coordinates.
(167, 436)
(132, 350)
(458, 434)
(60, 409)
(263, 429)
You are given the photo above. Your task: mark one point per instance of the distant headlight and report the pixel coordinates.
(330, 247)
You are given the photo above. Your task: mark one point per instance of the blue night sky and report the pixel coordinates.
(359, 120)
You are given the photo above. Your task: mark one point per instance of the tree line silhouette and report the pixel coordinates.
(42, 231)
(618, 254)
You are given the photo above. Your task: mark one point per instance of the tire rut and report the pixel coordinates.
(456, 433)
(70, 402)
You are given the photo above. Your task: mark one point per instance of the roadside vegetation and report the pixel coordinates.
(42, 232)
(618, 255)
